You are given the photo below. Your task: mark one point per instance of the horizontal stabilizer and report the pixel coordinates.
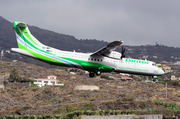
(21, 24)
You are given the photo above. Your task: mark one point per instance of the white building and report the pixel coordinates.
(50, 80)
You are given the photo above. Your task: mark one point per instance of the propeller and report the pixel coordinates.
(123, 51)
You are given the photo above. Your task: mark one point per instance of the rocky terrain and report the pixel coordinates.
(30, 99)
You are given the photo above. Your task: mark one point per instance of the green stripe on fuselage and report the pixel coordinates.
(44, 58)
(90, 66)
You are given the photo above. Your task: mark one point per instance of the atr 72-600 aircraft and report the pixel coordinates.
(103, 60)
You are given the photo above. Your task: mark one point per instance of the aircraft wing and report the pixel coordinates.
(105, 51)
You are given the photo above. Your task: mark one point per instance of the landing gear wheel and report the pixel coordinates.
(91, 74)
(98, 72)
(154, 79)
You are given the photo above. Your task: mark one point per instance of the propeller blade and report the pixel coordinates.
(123, 51)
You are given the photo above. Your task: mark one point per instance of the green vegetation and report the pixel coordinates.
(70, 111)
(3, 71)
(70, 93)
(3, 64)
(64, 109)
(47, 91)
(88, 106)
(127, 99)
(106, 77)
(14, 76)
(22, 109)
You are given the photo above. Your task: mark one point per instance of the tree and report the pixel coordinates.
(14, 76)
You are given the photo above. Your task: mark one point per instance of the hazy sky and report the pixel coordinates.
(136, 22)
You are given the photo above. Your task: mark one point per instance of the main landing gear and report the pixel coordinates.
(91, 74)
(97, 72)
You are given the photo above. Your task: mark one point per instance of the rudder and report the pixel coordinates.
(24, 37)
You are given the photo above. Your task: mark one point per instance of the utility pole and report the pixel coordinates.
(1, 55)
(166, 90)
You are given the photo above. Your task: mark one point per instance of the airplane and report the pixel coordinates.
(101, 61)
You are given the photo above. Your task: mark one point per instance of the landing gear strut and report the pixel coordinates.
(97, 72)
(91, 74)
(154, 78)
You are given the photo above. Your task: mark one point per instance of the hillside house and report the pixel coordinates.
(165, 67)
(50, 80)
(177, 63)
(173, 77)
(1, 87)
(8, 51)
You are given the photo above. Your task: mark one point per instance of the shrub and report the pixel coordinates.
(64, 109)
(22, 109)
(106, 77)
(92, 99)
(88, 106)
(142, 104)
(127, 99)
(57, 116)
(39, 117)
(52, 99)
(1, 116)
(25, 116)
(70, 115)
(77, 112)
(32, 116)
(59, 110)
(9, 116)
(3, 71)
(164, 111)
(3, 64)
(47, 91)
(70, 92)
(17, 116)
(139, 80)
(70, 108)
(107, 112)
(47, 116)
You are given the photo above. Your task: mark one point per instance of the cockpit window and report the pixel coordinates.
(153, 64)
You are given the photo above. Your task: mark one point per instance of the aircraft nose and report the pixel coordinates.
(162, 72)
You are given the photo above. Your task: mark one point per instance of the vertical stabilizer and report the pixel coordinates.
(24, 36)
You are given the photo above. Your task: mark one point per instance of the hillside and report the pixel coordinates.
(52, 100)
